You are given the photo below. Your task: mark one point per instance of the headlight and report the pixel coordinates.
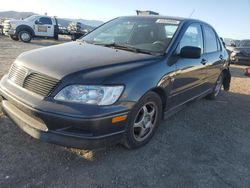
(233, 54)
(85, 94)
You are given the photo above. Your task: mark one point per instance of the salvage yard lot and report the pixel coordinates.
(205, 145)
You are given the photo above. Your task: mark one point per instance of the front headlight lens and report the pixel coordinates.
(97, 95)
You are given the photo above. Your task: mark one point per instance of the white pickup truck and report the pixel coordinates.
(33, 26)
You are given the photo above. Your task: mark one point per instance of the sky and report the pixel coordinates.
(230, 18)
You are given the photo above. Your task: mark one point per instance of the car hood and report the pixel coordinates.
(17, 22)
(61, 60)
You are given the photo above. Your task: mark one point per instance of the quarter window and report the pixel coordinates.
(210, 40)
(192, 37)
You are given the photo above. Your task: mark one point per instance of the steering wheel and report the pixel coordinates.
(160, 43)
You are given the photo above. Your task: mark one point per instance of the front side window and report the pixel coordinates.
(148, 34)
(210, 40)
(192, 37)
(44, 21)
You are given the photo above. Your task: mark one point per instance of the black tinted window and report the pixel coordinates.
(192, 37)
(211, 44)
(45, 20)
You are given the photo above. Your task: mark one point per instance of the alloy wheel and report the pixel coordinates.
(145, 121)
(218, 86)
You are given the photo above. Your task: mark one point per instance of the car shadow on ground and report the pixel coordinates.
(205, 145)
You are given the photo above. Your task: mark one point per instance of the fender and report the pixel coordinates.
(26, 28)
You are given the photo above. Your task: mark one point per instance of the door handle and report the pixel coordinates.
(49, 27)
(203, 61)
(221, 57)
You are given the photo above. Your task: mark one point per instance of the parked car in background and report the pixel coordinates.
(241, 54)
(233, 44)
(116, 83)
(76, 30)
(33, 26)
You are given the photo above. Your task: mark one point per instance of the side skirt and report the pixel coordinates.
(181, 106)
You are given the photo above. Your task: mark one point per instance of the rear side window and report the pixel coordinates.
(192, 37)
(211, 41)
(45, 20)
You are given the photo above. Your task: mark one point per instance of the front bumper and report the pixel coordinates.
(12, 32)
(9, 31)
(63, 129)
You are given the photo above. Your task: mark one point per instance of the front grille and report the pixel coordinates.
(40, 84)
(17, 74)
(35, 82)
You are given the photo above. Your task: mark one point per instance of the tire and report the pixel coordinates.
(14, 37)
(217, 88)
(25, 36)
(144, 120)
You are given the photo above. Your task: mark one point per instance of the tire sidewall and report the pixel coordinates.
(129, 140)
(212, 95)
(20, 36)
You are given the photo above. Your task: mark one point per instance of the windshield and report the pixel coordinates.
(142, 33)
(245, 43)
(30, 18)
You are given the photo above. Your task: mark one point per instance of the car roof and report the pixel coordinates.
(166, 17)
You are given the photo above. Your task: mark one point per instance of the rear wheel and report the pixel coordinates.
(24, 36)
(217, 88)
(144, 120)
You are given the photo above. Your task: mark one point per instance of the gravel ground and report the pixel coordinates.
(205, 145)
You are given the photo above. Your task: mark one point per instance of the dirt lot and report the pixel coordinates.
(204, 145)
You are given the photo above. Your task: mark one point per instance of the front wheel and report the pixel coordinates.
(144, 120)
(217, 88)
(24, 36)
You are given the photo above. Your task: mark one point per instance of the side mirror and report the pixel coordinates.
(190, 52)
(37, 22)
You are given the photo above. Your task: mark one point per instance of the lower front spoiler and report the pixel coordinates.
(55, 137)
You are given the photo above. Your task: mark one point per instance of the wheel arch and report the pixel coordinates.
(25, 28)
(160, 91)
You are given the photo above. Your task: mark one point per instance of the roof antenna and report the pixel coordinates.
(192, 13)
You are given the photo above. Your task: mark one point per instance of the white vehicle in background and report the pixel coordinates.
(33, 26)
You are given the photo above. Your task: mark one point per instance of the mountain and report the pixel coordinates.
(15, 15)
(93, 23)
(62, 21)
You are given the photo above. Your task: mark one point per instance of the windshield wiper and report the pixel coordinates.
(125, 47)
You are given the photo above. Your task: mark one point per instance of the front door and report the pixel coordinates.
(44, 27)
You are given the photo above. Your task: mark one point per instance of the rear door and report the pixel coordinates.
(213, 55)
(44, 27)
(190, 72)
